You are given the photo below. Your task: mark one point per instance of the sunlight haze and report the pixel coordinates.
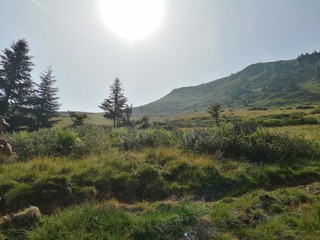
(132, 20)
(182, 42)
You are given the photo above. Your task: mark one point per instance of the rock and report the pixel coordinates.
(22, 219)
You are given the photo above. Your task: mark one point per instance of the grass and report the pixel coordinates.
(160, 191)
(109, 221)
(284, 213)
(92, 118)
(281, 214)
(310, 132)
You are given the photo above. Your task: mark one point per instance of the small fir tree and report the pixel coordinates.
(214, 110)
(77, 118)
(114, 105)
(46, 100)
(127, 113)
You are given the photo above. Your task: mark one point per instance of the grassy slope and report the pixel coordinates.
(281, 83)
(92, 118)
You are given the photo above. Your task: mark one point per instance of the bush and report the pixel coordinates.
(297, 118)
(94, 139)
(66, 140)
(151, 183)
(316, 111)
(305, 107)
(260, 146)
(274, 147)
(125, 187)
(133, 138)
(77, 141)
(28, 145)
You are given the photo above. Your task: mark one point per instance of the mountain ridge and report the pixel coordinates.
(278, 83)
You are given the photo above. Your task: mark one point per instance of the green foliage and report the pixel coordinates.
(115, 105)
(260, 146)
(46, 101)
(133, 138)
(94, 222)
(66, 140)
(260, 85)
(45, 142)
(33, 192)
(253, 216)
(214, 110)
(151, 183)
(223, 164)
(19, 197)
(94, 139)
(77, 118)
(16, 85)
(264, 146)
(25, 104)
(286, 120)
(28, 145)
(316, 111)
(77, 141)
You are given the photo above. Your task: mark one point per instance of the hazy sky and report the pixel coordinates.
(197, 41)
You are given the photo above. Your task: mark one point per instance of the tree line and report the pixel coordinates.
(28, 105)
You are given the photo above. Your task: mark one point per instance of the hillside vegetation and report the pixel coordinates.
(273, 84)
(176, 179)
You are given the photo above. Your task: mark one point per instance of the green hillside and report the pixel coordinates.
(279, 83)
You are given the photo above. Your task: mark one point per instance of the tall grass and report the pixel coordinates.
(164, 221)
(259, 145)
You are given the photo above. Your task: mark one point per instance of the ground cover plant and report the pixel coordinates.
(235, 181)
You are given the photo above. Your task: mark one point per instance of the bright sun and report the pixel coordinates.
(132, 19)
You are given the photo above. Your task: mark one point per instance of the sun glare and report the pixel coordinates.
(132, 19)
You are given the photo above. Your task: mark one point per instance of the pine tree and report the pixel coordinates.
(127, 113)
(77, 118)
(16, 85)
(214, 110)
(46, 100)
(115, 104)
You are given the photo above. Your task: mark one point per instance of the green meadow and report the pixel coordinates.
(256, 176)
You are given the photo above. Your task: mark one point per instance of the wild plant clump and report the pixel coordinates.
(240, 140)
(133, 138)
(77, 141)
(257, 146)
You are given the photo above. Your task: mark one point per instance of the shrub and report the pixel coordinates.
(260, 146)
(151, 183)
(66, 140)
(265, 146)
(125, 187)
(77, 141)
(305, 107)
(28, 145)
(297, 118)
(316, 111)
(133, 138)
(94, 139)
(45, 142)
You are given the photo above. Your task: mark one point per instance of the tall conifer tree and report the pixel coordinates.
(46, 100)
(16, 85)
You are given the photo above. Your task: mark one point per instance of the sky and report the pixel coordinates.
(197, 41)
